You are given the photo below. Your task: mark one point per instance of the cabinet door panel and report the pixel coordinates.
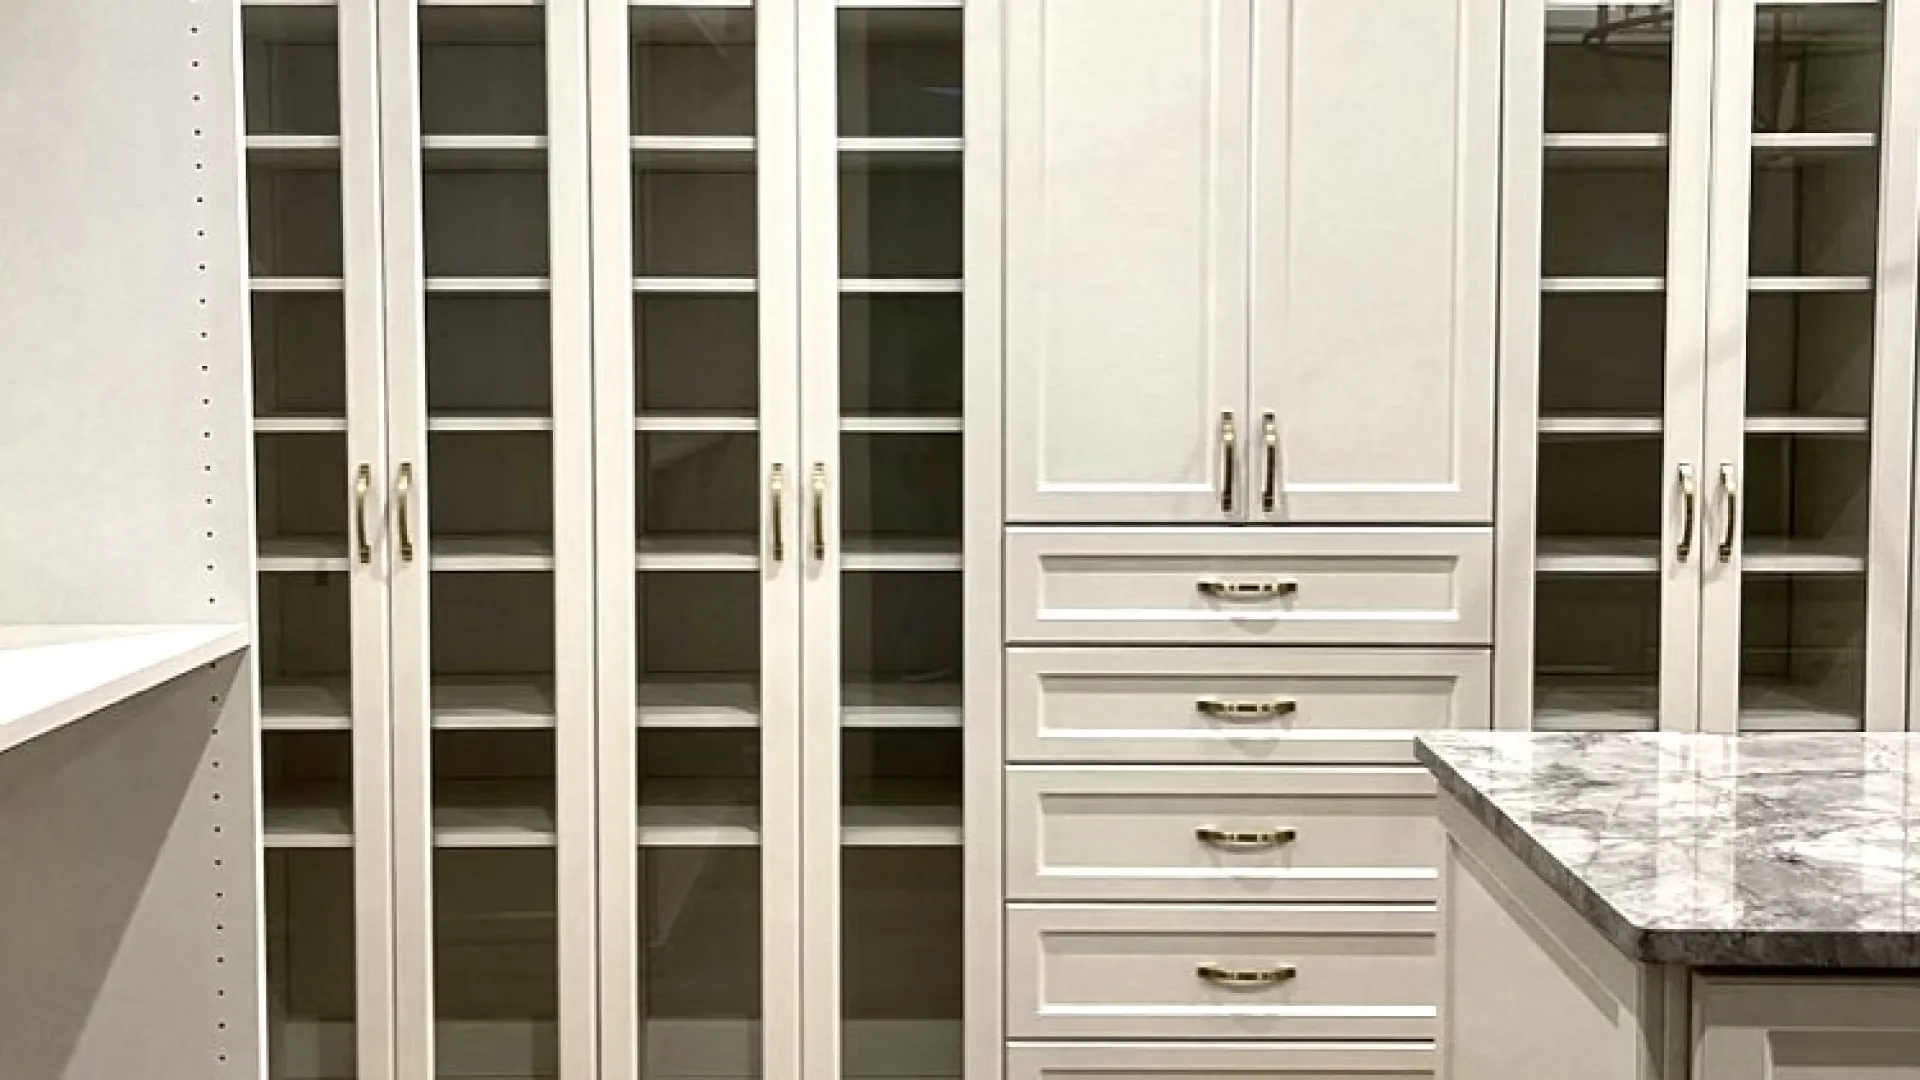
(1806, 1029)
(1126, 257)
(1374, 212)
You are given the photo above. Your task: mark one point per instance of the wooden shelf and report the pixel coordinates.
(52, 676)
(1597, 555)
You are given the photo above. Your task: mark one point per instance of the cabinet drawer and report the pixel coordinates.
(1135, 971)
(1221, 1061)
(1307, 705)
(1298, 834)
(1355, 586)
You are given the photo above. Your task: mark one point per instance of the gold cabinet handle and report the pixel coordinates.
(1228, 454)
(403, 509)
(1244, 710)
(1270, 487)
(1689, 512)
(1247, 978)
(1224, 589)
(362, 484)
(776, 494)
(819, 512)
(1245, 838)
(1730, 494)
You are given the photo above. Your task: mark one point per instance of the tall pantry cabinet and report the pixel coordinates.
(608, 368)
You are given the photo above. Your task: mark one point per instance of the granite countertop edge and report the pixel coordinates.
(1690, 947)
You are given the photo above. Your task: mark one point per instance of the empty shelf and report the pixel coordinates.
(308, 818)
(891, 826)
(678, 813)
(902, 425)
(695, 286)
(698, 553)
(492, 814)
(483, 153)
(303, 554)
(1806, 425)
(1566, 703)
(889, 553)
(902, 285)
(484, 554)
(294, 151)
(298, 284)
(1783, 555)
(901, 154)
(695, 423)
(1773, 706)
(489, 286)
(895, 706)
(704, 704)
(694, 153)
(1597, 555)
(457, 704)
(326, 706)
(1603, 284)
(52, 676)
(480, 423)
(1812, 283)
(298, 425)
(1597, 424)
(1604, 140)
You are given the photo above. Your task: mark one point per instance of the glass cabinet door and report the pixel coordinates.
(1621, 250)
(480, 514)
(898, 488)
(1794, 497)
(322, 608)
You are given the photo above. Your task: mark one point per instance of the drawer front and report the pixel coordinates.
(1221, 833)
(1135, 972)
(1221, 1061)
(1238, 705)
(1250, 586)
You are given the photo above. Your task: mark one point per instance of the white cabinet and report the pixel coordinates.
(1786, 1029)
(1250, 256)
(1708, 342)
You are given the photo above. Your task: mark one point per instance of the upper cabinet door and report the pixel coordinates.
(1126, 158)
(1375, 205)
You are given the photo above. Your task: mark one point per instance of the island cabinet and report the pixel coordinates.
(1681, 918)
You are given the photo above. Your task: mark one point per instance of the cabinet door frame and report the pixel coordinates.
(1735, 1019)
(1890, 549)
(1523, 147)
(1221, 349)
(567, 287)
(1274, 366)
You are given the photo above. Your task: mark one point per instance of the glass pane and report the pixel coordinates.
(489, 492)
(1810, 356)
(1609, 68)
(1603, 312)
(291, 58)
(700, 490)
(901, 496)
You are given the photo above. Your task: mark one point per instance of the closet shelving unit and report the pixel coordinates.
(1720, 438)
(759, 553)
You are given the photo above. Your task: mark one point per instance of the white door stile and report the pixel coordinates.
(818, 169)
(1516, 528)
(1691, 145)
(404, 286)
(363, 305)
(616, 615)
(789, 633)
(1725, 371)
(570, 234)
(983, 437)
(1890, 545)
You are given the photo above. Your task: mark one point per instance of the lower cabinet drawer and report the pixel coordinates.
(1222, 971)
(1217, 832)
(1221, 1061)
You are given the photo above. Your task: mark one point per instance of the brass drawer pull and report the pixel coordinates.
(1730, 492)
(1247, 978)
(1245, 838)
(403, 492)
(1223, 589)
(1244, 710)
(1229, 454)
(362, 484)
(1270, 488)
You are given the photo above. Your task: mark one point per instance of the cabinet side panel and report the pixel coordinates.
(1125, 185)
(1376, 128)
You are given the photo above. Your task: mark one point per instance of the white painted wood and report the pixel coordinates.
(1142, 705)
(984, 738)
(52, 676)
(1382, 408)
(1132, 971)
(1351, 586)
(1126, 176)
(1529, 987)
(1805, 1029)
(1132, 833)
(1171, 1061)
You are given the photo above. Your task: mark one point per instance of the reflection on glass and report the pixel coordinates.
(1609, 68)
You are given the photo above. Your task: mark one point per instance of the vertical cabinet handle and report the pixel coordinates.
(403, 509)
(1689, 512)
(1270, 487)
(362, 484)
(1228, 439)
(776, 493)
(1730, 494)
(819, 512)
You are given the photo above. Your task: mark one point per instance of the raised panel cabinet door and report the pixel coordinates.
(1126, 172)
(1374, 212)
(1806, 1029)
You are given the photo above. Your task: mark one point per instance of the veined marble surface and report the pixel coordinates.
(1711, 850)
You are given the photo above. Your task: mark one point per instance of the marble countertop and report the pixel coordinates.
(1711, 850)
